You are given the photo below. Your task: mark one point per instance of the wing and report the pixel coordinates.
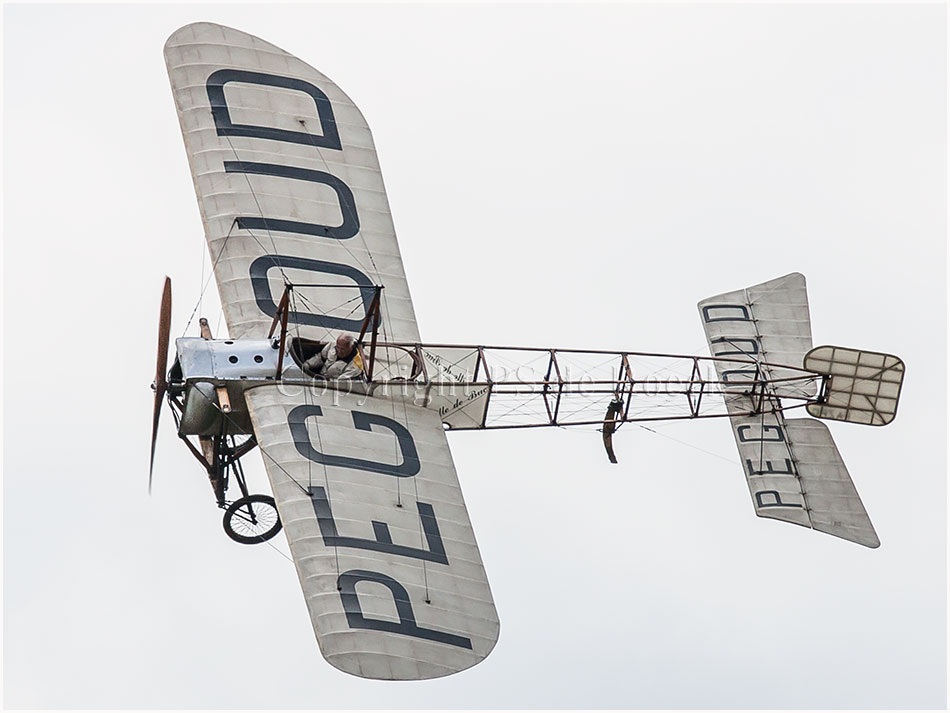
(289, 190)
(793, 468)
(288, 186)
(380, 535)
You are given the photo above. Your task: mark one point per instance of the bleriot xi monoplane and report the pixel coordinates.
(304, 251)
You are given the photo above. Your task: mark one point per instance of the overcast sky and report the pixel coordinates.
(558, 176)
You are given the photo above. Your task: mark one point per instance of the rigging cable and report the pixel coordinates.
(260, 212)
(780, 419)
(316, 426)
(261, 447)
(208, 281)
(387, 331)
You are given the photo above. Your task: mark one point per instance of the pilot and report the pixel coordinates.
(336, 361)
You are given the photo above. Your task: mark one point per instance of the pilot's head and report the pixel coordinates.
(345, 344)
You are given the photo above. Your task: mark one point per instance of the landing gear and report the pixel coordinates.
(252, 519)
(224, 437)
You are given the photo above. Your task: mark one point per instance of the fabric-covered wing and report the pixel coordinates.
(793, 468)
(380, 535)
(288, 185)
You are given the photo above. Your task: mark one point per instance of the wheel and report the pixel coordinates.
(252, 520)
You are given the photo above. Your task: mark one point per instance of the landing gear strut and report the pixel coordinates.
(250, 519)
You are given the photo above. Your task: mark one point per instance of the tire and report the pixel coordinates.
(252, 520)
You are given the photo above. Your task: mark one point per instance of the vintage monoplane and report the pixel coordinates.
(303, 249)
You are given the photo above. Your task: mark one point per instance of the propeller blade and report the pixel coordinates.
(160, 385)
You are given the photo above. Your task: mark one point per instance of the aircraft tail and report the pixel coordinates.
(792, 466)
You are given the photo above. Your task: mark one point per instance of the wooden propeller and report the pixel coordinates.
(160, 385)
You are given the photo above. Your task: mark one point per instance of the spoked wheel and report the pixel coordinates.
(252, 519)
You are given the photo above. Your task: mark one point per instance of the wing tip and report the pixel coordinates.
(193, 30)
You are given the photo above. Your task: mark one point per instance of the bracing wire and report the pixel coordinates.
(386, 328)
(276, 252)
(259, 445)
(210, 276)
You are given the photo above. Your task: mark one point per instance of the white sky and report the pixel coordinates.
(558, 176)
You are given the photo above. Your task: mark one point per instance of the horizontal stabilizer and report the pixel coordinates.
(832, 502)
(792, 466)
(768, 323)
(863, 386)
